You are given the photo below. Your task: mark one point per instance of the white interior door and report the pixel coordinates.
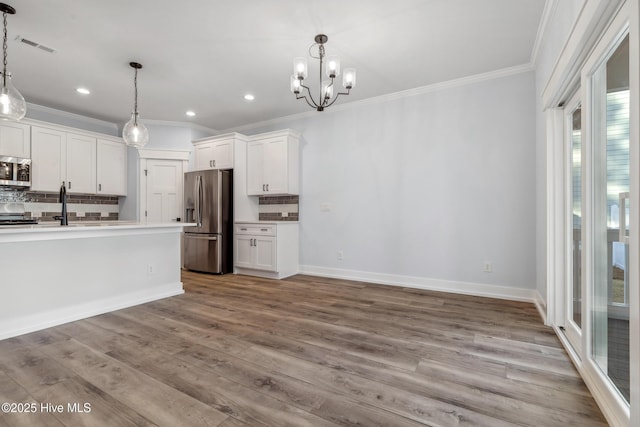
(164, 181)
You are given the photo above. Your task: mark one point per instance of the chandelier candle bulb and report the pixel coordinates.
(333, 66)
(349, 78)
(327, 89)
(295, 85)
(300, 67)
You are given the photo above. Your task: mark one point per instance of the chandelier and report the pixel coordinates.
(134, 131)
(326, 96)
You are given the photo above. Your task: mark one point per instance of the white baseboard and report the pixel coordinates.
(35, 322)
(466, 288)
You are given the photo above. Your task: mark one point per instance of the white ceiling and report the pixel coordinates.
(205, 55)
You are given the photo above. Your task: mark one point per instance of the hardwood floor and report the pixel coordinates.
(305, 351)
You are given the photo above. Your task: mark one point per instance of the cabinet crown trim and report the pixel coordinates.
(234, 135)
(163, 154)
(278, 133)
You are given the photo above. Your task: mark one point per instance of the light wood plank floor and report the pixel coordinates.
(305, 351)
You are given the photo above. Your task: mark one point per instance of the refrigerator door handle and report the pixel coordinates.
(196, 201)
(200, 200)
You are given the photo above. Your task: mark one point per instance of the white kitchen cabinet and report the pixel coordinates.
(48, 159)
(273, 164)
(214, 152)
(15, 140)
(85, 163)
(266, 249)
(58, 157)
(111, 168)
(81, 164)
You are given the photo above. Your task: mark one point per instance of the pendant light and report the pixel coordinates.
(12, 104)
(134, 132)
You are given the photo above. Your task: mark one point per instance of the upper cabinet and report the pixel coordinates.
(81, 164)
(59, 157)
(86, 164)
(111, 167)
(272, 164)
(48, 159)
(214, 152)
(15, 140)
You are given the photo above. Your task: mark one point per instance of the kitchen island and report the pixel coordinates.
(50, 274)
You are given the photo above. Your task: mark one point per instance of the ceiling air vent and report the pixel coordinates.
(34, 44)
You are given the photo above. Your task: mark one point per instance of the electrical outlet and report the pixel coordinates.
(340, 255)
(488, 268)
(284, 214)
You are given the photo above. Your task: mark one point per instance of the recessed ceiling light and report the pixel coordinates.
(249, 97)
(83, 90)
(190, 113)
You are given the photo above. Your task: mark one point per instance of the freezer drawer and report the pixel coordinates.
(203, 252)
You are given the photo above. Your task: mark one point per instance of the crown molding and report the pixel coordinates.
(189, 125)
(548, 11)
(449, 84)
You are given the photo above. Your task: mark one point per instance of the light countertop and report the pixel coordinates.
(84, 229)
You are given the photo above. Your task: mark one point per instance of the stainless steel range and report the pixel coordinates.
(13, 213)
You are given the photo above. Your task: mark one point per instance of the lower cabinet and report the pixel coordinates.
(266, 249)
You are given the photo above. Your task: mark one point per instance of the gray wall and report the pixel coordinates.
(429, 186)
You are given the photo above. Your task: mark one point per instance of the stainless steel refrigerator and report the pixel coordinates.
(208, 202)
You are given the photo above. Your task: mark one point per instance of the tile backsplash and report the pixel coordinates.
(278, 208)
(80, 207)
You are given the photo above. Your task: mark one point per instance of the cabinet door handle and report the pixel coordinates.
(210, 163)
(243, 229)
(267, 187)
(214, 163)
(263, 187)
(264, 229)
(99, 187)
(69, 185)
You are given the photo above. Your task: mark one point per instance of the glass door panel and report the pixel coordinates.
(573, 320)
(610, 174)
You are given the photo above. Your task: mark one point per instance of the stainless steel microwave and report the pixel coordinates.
(15, 171)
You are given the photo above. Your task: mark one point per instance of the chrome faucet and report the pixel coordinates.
(63, 217)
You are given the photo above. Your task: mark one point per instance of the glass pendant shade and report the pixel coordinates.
(295, 84)
(349, 78)
(333, 66)
(12, 103)
(327, 89)
(134, 132)
(300, 67)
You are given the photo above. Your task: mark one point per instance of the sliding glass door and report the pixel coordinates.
(593, 274)
(609, 185)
